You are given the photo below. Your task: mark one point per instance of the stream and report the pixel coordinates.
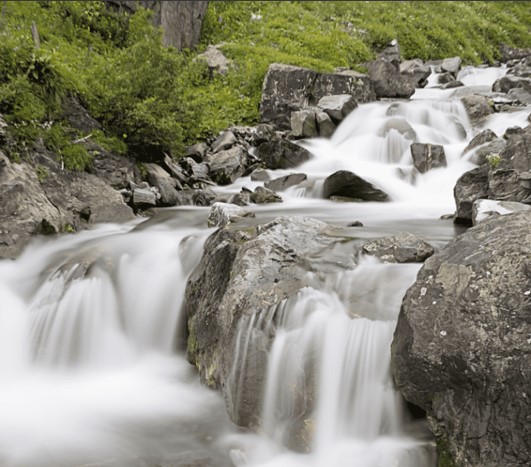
(92, 363)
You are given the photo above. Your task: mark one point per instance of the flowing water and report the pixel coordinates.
(92, 367)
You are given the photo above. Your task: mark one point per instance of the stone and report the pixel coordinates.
(337, 107)
(166, 185)
(325, 125)
(512, 53)
(77, 116)
(521, 95)
(486, 136)
(347, 184)
(400, 248)
(488, 153)
(224, 141)
(483, 209)
(472, 185)
(508, 82)
(222, 214)
(175, 171)
(285, 182)
(416, 72)
(215, 59)
(243, 198)
(260, 175)
(3, 128)
(452, 85)
(387, 81)
(461, 346)
(226, 166)
(427, 156)
(196, 172)
(245, 272)
(263, 195)
(197, 152)
(288, 88)
(445, 78)
(144, 197)
(197, 197)
(401, 125)
(451, 65)
(282, 154)
(264, 133)
(114, 169)
(303, 123)
(391, 53)
(478, 109)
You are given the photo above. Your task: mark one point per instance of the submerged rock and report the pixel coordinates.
(283, 183)
(347, 184)
(222, 214)
(427, 156)
(461, 347)
(400, 248)
(263, 195)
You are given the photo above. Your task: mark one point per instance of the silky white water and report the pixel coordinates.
(92, 367)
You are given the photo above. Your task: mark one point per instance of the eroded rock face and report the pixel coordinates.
(244, 272)
(461, 348)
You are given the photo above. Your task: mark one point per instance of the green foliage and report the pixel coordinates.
(494, 160)
(152, 99)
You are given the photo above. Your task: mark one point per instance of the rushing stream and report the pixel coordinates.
(92, 366)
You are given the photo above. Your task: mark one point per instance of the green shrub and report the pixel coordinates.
(75, 157)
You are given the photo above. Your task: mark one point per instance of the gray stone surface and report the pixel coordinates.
(451, 65)
(303, 124)
(325, 125)
(477, 108)
(281, 153)
(285, 182)
(400, 248)
(226, 166)
(472, 185)
(263, 195)
(222, 214)
(337, 107)
(461, 347)
(215, 59)
(427, 156)
(166, 185)
(387, 80)
(224, 141)
(349, 185)
(484, 209)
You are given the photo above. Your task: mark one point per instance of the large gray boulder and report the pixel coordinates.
(165, 184)
(285, 182)
(416, 71)
(288, 88)
(337, 107)
(387, 80)
(477, 108)
(244, 273)
(427, 156)
(346, 184)
(471, 186)
(280, 153)
(303, 123)
(461, 348)
(226, 166)
(400, 248)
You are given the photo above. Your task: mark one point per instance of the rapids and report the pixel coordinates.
(92, 364)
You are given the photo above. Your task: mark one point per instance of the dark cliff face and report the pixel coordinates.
(181, 21)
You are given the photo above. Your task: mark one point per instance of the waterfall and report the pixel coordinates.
(92, 364)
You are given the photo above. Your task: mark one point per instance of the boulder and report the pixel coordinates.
(77, 116)
(486, 136)
(337, 107)
(387, 81)
(303, 124)
(197, 152)
(215, 59)
(445, 78)
(325, 125)
(391, 53)
(427, 156)
(452, 85)
(451, 65)
(260, 175)
(226, 166)
(166, 185)
(264, 133)
(472, 185)
(197, 197)
(478, 109)
(143, 197)
(488, 153)
(400, 248)
(112, 168)
(512, 53)
(508, 82)
(521, 96)
(224, 141)
(347, 184)
(281, 153)
(288, 88)
(175, 171)
(483, 209)
(285, 182)
(245, 272)
(196, 172)
(222, 214)
(416, 72)
(3, 128)
(263, 195)
(243, 198)
(461, 347)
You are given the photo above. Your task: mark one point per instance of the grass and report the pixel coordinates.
(152, 99)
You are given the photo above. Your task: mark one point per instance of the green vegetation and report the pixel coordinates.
(151, 99)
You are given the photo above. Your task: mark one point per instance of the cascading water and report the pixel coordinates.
(91, 363)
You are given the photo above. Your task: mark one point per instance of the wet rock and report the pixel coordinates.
(461, 348)
(483, 209)
(451, 65)
(288, 88)
(400, 125)
(452, 85)
(521, 96)
(175, 171)
(445, 78)
(243, 198)
(283, 183)
(489, 153)
(477, 108)
(387, 81)
(337, 107)
(244, 273)
(400, 248)
(486, 136)
(416, 72)
(325, 125)
(166, 185)
(260, 175)
(282, 154)
(222, 214)
(197, 197)
(263, 195)
(508, 82)
(196, 172)
(347, 184)
(355, 224)
(470, 186)
(226, 166)
(264, 133)
(224, 141)
(303, 124)
(427, 156)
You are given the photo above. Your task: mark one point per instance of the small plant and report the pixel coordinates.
(42, 173)
(494, 160)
